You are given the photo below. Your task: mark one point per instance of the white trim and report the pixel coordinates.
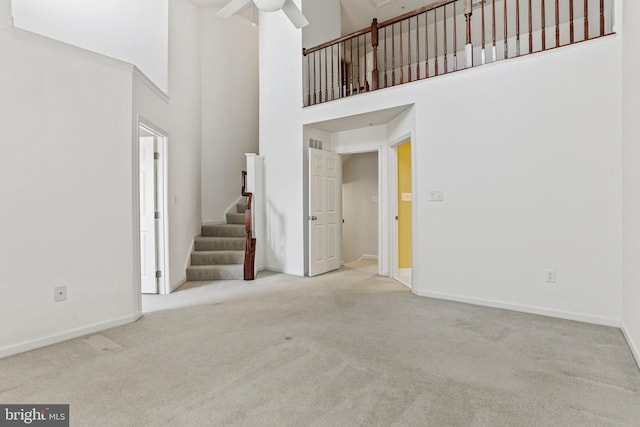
(568, 315)
(142, 77)
(368, 257)
(232, 208)
(187, 262)
(67, 335)
(635, 350)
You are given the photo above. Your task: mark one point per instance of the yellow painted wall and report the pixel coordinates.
(404, 207)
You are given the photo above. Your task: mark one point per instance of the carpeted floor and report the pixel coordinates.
(344, 349)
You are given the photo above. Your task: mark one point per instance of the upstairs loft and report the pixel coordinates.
(444, 37)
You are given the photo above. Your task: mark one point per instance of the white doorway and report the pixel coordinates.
(401, 186)
(152, 209)
(360, 207)
(325, 207)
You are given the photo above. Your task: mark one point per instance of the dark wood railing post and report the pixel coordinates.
(250, 245)
(468, 47)
(374, 44)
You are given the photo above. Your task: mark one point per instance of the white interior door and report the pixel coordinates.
(147, 215)
(325, 183)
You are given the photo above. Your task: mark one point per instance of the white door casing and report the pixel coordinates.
(147, 215)
(325, 187)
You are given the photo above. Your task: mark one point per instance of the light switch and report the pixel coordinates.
(406, 197)
(436, 196)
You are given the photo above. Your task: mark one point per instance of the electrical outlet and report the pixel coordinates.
(550, 276)
(60, 293)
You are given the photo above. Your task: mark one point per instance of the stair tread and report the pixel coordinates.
(221, 238)
(216, 267)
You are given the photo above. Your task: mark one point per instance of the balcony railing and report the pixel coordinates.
(444, 37)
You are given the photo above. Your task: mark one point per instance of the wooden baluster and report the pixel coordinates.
(426, 45)
(517, 27)
(468, 47)
(344, 77)
(543, 25)
(506, 35)
(386, 84)
(393, 55)
(435, 38)
(601, 17)
(493, 30)
(401, 57)
(409, 42)
(319, 53)
(455, 38)
(484, 52)
(586, 19)
(326, 74)
(557, 23)
(530, 28)
(367, 83)
(374, 45)
(418, 47)
(308, 77)
(358, 56)
(351, 73)
(444, 32)
(571, 28)
(315, 94)
(333, 88)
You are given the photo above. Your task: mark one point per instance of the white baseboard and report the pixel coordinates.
(368, 257)
(67, 335)
(568, 315)
(635, 350)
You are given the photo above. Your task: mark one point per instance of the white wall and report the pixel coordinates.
(530, 165)
(229, 108)
(359, 208)
(66, 190)
(631, 174)
(185, 210)
(281, 141)
(134, 31)
(324, 21)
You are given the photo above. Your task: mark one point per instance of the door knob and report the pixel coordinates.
(312, 218)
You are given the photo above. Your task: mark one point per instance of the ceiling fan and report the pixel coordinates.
(287, 6)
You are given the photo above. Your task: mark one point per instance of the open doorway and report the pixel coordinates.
(360, 208)
(404, 221)
(152, 208)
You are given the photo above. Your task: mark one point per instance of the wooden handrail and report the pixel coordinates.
(384, 64)
(250, 245)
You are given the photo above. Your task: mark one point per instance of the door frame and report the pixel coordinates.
(393, 205)
(162, 224)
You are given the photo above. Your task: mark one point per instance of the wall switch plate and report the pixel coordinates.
(436, 196)
(374, 199)
(60, 293)
(407, 197)
(550, 276)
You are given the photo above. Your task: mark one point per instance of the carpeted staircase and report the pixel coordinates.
(219, 251)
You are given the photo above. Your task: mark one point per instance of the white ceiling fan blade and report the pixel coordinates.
(233, 7)
(295, 16)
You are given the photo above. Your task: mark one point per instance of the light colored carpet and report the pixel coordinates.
(347, 348)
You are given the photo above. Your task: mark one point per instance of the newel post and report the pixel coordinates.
(374, 44)
(468, 47)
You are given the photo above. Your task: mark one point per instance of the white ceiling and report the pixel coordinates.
(373, 118)
(356, 14)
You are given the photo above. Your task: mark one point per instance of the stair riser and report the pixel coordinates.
(241, 207)
(216, 259)
(223, 231)
(235, 218)
(215, 274)
(220, 245)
